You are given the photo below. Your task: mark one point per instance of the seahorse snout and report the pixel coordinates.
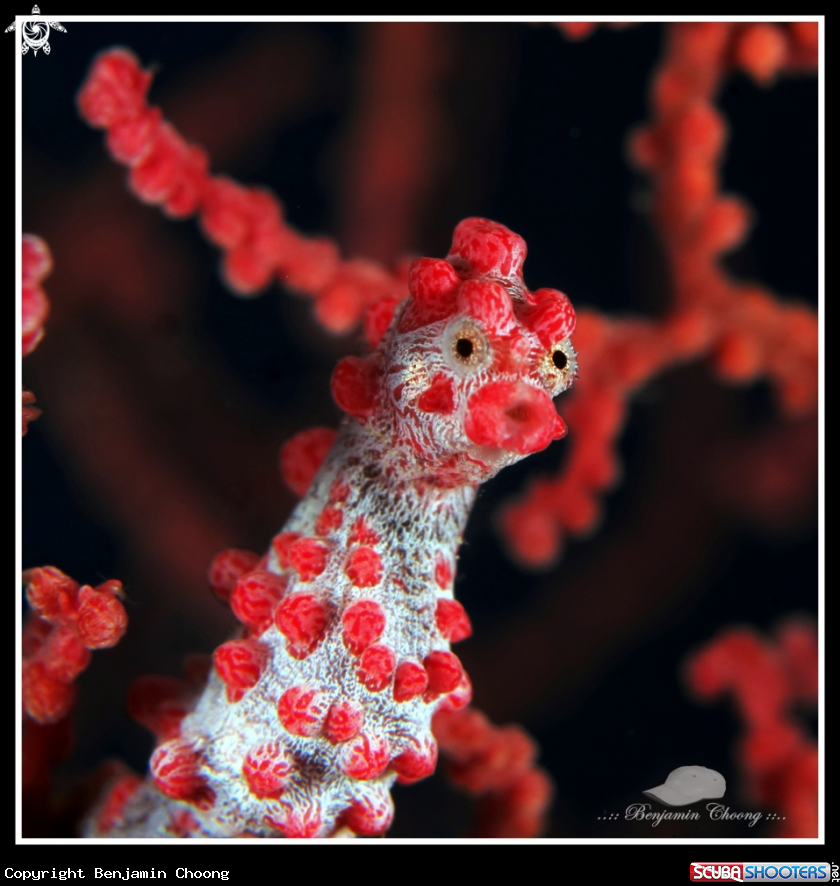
(512, 415)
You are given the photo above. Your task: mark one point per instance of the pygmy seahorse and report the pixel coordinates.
(326, 696)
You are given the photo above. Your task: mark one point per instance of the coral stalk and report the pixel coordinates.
(246, 223)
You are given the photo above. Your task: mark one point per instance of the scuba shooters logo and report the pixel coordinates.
(745, 872)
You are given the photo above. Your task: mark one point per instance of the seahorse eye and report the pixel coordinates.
(464, 348)
(557, 367)
(468, 344)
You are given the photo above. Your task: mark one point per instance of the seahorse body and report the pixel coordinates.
(327, 696)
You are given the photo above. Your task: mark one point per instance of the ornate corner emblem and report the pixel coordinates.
(35, 32)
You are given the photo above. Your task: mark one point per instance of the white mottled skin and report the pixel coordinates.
(414, 477)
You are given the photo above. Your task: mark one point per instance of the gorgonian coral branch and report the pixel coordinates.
(246, 223)
(744, 329)
(766, 679)
(67, 622)
(36, 263)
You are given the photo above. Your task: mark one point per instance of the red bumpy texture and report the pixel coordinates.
(766, 680)
(746, 331)
(67, 622)
(245, 222)
(326, 695)
(36, 263)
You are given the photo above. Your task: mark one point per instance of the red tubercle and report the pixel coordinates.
(176, 769)
(366, 756)
(227, 568)
(302, 619)
(329, 520)
(417, 761)
(303, 455)
(410, 680)
(370, 815)
(281, 545)
(339, 491)
(302, 710)
(443, 571)
(445, 672)
(344, 721)
(552, 319)
(303, 821)
(378, 318)
(452, 620)
(433, 284)
(481, 247)
(308, 557)
(363, 533)
(266, 768)
(355, 386)
(363, 623)
(239, 664)
(376, 666)
(489, 303)
(364, 567)
(439, 397)
(255, 597)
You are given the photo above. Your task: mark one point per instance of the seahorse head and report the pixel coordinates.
(461, 384)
